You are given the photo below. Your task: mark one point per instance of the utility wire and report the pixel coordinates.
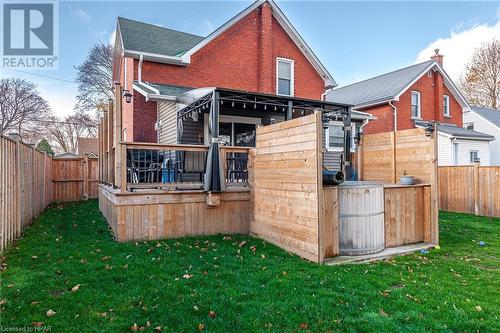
(44, 76)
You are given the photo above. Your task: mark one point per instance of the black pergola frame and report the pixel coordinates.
(212, 102)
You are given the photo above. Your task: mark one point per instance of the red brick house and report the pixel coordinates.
(412, 97)
(258, 50)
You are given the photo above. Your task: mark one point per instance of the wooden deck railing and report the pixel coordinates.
(177, 166)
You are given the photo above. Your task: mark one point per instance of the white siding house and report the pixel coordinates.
(460, 146)
(486, 121)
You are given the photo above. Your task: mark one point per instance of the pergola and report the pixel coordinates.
(216, 100)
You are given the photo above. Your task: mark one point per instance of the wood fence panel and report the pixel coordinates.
(286, 184)
(25, 187)
(470, 189)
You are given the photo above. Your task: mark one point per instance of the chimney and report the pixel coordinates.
(437, 57)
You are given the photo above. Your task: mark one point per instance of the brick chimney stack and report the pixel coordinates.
(438, 57)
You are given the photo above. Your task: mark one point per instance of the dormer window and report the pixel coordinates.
(415, 105)
(284, 77)
(446, 106)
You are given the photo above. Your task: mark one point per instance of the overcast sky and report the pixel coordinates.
(355, 40)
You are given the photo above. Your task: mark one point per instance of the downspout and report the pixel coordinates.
(395, 112)
(139, 69)
(323, 95)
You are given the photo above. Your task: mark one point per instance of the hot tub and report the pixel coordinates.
(361, 218)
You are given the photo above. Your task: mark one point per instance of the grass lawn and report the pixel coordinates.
(242, 284)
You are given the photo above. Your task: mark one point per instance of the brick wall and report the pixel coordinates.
(240, 59)
(144, 119)
(431, 91)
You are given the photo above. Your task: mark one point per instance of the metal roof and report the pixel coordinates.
(144, 37)
(382, 88)
(490, 114)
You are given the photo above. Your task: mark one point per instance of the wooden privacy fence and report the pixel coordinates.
(30, 180)
(25, 187)
(470, 189)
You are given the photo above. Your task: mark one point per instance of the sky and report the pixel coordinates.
(355, 40)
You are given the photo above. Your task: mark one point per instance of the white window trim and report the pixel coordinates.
(327, 138)
(446, 102)
(228, 119)
(477, 153)
(292, 75)
(419, 105)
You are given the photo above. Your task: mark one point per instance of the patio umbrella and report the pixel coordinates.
(214, 171)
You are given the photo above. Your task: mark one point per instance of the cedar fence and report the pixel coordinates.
(470, 189)
(30, 180)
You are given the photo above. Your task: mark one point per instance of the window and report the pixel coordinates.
(284, 77)
(469, 126)
(415, 105)
(334, 137)
(455, 153)
(446, 105)
(474, 156)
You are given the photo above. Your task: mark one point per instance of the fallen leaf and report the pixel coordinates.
(382, 313)
(263, 256)
(37, 323)
(10, 285)
(284, 273)
(241, 244)
(212, 314)
(158, 329)
(187, 276)
(253, 248)
(50, 313)
(34, 257)
(35, 302)
(75, 288)
(134, 328)
(478, 308)
(108, 267)
(3, 301)
(201, 327)
(303, 326)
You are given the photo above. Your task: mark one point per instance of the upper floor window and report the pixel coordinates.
(415, 105)
(446, 105)
(284, 76)
(469, 126)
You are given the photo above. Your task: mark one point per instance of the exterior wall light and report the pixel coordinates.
(429, 129)
(127, 95)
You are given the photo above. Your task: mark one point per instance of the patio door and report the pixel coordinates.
(236, 131)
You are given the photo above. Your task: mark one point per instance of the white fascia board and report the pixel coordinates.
(485, 119)
(155, 57)
(153, 97)
(454, 89)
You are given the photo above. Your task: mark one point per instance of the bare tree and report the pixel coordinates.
(94, 78)
(480, 82)
(65, 132)
(22, 109)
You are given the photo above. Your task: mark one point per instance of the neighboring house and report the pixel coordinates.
(412, 97)
(67, 155)
(87, 146)
(256, 51)
(487, 121)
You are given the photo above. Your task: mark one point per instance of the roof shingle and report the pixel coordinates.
(144, 37)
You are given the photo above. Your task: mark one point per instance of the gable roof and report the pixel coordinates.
(491, 115)
(389, 86)
(144, 37)
(159, 44)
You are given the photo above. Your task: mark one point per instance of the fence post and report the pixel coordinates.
(476, 188)
(86, 177)
(123, 167)
(18, 187)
